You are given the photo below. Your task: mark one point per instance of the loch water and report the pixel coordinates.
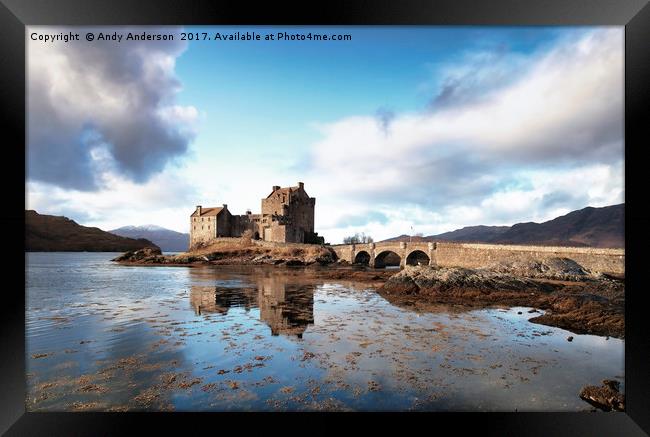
(106, 337)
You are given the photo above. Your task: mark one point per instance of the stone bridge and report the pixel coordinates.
(388, 253)
(475, 255)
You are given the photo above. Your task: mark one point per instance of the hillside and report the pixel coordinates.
(48, 233)
(474, 233)
(166, 239)
(590, 227)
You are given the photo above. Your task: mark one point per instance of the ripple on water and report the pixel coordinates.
(107, 337)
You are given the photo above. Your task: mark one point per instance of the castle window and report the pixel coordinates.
(208, 227)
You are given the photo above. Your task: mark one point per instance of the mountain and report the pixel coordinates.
(591, 227)
(474, 233)
(594, 227)
(48, 233)
(166, 239)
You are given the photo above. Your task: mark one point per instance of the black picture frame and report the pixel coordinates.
(16, 14)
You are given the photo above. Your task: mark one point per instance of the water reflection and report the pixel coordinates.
(215, 299)
(288, 309)
(102, 337)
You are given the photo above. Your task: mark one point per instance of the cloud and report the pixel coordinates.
(108, 99)
(384, 117)
(162, 200)
(485, 149)
(476, 77)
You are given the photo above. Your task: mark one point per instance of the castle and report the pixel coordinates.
(287, 216)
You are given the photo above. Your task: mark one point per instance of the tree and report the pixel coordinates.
(358, 238)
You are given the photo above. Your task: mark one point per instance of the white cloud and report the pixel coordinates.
(121, 96)
(557, 129)
(163, 200)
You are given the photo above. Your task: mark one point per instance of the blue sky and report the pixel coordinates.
(266, 96)
(430, 128)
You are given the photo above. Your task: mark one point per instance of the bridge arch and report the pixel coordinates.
(387, 258)
(362, 257)
(418, 257)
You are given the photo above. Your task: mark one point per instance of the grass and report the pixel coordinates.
(243, 245)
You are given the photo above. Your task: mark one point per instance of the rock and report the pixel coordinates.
(294, 262)
(569, 338)
(607, 397)
(307, 356)
(401, 285)
(434, 280)
(519, 312)
(325, 259)
(614, 385)
(140, 254)
(552, 268)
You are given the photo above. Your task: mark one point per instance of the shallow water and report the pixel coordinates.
(101, 336)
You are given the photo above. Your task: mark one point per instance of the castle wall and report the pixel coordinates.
(202, 229)
(243, 223)
(224, 221)
(301, 211)
(274, 205)
(277, 233)
(294, 234)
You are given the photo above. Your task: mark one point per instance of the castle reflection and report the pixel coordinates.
(287, 307)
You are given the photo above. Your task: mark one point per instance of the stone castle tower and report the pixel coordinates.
(287, 216)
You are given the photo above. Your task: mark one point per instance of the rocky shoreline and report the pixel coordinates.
(233, 255)
(589, 304)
